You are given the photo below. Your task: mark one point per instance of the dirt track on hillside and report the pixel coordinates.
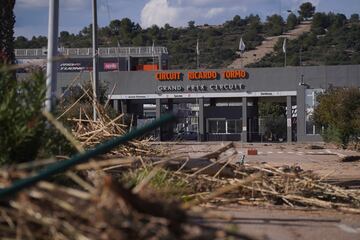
(267, 46)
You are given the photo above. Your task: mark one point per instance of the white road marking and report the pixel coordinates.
(270, 152)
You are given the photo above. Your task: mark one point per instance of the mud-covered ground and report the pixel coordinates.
(280, 222)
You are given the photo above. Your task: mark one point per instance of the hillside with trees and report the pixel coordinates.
(333, 39)
(218, 43)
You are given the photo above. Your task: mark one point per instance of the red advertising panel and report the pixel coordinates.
(111, 66)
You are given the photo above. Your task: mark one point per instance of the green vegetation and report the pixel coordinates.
(275, 25)
(163, 181)
(291, 21)
(307, 10)
(333, 40)
(22, 126)
(273, 117)
(338, 111)
(21, 122)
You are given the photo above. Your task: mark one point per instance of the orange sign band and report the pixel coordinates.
(171, 76)
(209, 75)
(235, 74)
(212, 75)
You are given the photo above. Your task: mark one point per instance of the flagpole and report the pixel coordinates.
(95, 58)
(118, 44)
(197, 61)
(197, 55)
(241, 60)
(153, 54)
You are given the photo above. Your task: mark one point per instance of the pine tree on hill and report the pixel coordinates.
(307, 10)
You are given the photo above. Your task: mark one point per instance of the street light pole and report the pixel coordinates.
(95, 58)
(52, 51)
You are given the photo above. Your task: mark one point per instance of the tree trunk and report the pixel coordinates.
(7, 22)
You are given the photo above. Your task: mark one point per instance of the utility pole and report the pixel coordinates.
(52, 51)
(153, 54)
(197, 54)
(197, 62)
(95, 58)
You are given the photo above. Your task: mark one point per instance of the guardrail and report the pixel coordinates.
(104, 52)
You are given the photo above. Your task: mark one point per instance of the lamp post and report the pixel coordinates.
(95, 58)
(52, 51)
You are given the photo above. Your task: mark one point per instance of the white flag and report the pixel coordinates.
(284, 46)
(241, 45)
(197, 48)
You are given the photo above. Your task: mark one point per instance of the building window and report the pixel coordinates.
(231, 126)
(225, 126)
(221, 126)
(213, 126)
(310, 104)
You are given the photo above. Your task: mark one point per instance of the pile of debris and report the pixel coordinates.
(53, 211)
(224, 168)
(97, 207)
(221, 177)
(89, 133)
(78, 115)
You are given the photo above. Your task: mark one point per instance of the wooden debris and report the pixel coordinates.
(314, 147)
(112, 212)
(351, 158)
(216, 154)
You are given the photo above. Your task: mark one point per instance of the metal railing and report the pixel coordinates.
(103, 52)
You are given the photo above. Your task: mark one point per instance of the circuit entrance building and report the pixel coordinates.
(222, 104)
(218, 104)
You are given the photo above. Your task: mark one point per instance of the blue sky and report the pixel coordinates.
(32, 15)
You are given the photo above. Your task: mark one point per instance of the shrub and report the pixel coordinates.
(21, 122)
(339, 112)
(274, 120)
